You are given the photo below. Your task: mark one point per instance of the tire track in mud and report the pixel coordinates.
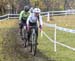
(13, 49)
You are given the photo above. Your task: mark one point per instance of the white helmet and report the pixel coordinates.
(31, 9)
(36, 10)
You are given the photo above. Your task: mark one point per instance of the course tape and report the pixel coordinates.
(60, 28)
(58, 42)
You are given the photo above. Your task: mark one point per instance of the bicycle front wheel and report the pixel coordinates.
(33, 44)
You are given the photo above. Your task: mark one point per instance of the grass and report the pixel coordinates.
(45, 46)
(62, 54)
(9, 23)
(63, 21)
(11, 47)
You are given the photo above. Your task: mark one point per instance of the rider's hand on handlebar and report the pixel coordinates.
(40, 28)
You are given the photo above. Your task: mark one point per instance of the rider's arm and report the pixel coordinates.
(20, 16)
(40, 20)
(28, 19)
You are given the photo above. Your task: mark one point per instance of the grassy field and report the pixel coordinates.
(9, 23)
(11, 45)
(64, 21)
(45, 46)
(62, 54)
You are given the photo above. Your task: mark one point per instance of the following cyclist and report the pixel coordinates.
(23, 18)
(33, 20)
(31, 10)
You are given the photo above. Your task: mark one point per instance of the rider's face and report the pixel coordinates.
(36, 14)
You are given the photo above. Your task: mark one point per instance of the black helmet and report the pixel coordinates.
(26, 8)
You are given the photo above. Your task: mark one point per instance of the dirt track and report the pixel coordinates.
(13, 49)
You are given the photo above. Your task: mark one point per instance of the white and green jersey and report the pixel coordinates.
(24, 15)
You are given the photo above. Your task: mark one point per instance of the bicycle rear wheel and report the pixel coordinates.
(25, 38)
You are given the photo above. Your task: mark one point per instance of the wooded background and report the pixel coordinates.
(15, 6)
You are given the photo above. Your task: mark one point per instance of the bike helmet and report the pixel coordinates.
(36, 10)
(26, 8)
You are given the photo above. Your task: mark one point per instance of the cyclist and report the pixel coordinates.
(32, 21)
(31, 10)
(23, 17)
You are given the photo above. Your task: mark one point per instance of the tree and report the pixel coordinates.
(21, 4)
(5, 3)
(2, 6)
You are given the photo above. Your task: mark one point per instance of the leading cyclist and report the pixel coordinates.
(33, 20)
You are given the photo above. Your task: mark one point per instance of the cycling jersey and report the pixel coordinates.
(23, 15)
(33, 19)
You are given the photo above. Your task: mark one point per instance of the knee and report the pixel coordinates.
(20, 26)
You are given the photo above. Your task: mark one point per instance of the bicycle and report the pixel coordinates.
(33, 39)
(25, 35)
